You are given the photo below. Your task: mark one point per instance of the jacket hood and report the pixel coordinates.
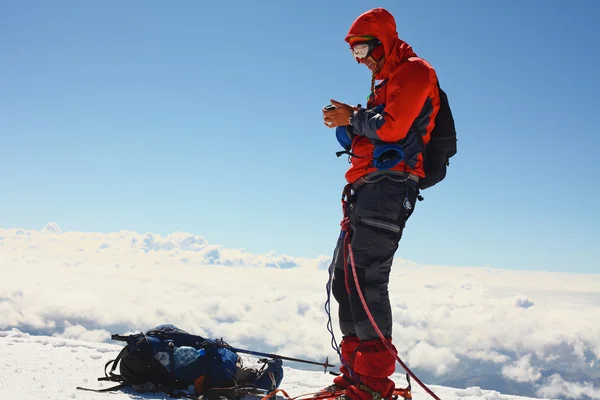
(380, 23)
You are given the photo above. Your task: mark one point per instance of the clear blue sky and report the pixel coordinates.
(204, 117)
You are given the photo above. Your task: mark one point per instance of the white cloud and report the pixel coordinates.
(557, 387)
(81, 333)
(439, 360)
(524, 302)
(488, 355)
(323, 262)
(52, 227)
(522, 370)
(177, 240)
(85, 285)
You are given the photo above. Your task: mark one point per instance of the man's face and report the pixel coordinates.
(369, 62)
(369, 53)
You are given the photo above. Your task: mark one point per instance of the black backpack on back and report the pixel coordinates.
(441, 146)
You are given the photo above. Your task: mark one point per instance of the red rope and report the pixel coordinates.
(385, 342)
(346, 228)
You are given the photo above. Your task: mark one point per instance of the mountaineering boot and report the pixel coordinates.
(348, 348)
(373, 363)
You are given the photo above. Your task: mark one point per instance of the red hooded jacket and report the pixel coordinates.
(408, 92)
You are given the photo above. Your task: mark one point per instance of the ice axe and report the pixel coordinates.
(325, 364)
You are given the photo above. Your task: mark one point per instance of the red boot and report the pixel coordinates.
(348, 348)
(373, 363)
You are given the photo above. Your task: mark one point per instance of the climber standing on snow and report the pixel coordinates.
(384, 184)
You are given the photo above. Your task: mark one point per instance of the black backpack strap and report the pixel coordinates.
(108, 389)
(120, 338)
(111, 376)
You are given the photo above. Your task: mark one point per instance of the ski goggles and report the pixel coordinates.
(363, 49)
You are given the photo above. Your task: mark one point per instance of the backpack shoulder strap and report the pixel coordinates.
(111, 375)
(108, 389)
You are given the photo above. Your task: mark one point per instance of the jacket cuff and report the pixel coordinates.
(352, 117)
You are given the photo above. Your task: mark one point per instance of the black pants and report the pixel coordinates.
(378, 212)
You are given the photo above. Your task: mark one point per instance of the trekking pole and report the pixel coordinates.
(257, 353)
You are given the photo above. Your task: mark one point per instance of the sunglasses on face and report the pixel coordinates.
(363, 50)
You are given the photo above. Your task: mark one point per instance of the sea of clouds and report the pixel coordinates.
(517, 332)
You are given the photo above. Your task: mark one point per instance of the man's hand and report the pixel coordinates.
(338, 116)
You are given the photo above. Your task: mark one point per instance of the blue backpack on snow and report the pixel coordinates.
(170, 360)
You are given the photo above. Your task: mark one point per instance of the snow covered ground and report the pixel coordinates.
(42, 367)
(533, 334)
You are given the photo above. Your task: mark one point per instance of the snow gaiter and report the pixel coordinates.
(348, 346)
(373, 363)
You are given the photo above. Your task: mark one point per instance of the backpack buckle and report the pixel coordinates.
(374, 394)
